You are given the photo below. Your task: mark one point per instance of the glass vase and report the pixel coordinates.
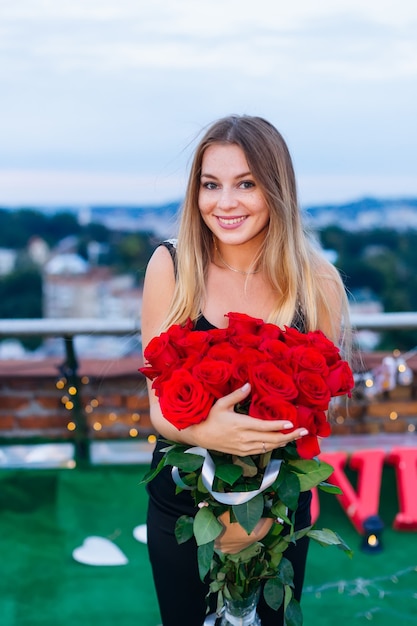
(241, 612)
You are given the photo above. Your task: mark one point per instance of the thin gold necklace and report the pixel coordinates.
(233, 269)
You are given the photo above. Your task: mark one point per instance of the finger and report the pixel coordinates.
(236, 396)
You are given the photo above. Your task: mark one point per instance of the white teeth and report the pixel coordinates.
(231, 220)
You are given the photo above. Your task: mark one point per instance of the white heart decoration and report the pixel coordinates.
(99, 551)
(140, 533)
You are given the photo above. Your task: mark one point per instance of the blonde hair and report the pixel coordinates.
(291, 261)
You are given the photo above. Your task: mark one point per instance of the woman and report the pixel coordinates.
(241, 247)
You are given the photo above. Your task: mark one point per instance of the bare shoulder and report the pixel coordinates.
(158, 289)
(161, 264)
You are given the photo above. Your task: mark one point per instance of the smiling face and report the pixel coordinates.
(231, 202)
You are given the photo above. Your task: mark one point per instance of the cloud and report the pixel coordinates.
(108, 89)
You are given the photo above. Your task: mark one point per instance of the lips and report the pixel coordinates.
(231, 221)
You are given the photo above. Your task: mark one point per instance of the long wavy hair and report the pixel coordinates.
(290, 259)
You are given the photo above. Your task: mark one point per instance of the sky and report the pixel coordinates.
(102, 101)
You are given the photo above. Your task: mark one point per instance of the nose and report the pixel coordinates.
(227, 199)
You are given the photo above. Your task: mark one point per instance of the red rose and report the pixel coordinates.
(243, 364)
(241, 324)
(184, 400)
(223, 352)
(313, 390)
(195, 341)
(307, 358)
(270, 331)
(317, 425)
(161, 354)
(319, 341)
(275, 349)
(268, 380)
(273, 408)
(293, 337)
(215, 375)
(245, 340)
(340, 379)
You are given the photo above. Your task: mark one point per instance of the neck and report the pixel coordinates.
(230, 267)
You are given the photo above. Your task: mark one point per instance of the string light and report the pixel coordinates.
(133, 432)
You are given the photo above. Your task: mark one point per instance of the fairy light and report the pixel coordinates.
(369, 382)
(88, 409)
(69, 405)
(393, 415)
(112, 416)
(133, 432)
(71, 426)
(411, 428)
(64, 399)
(72, 391)
(151, 439)
(97, 426)
(60, 384)
(396, 353)
(135, 417)
(402, 367)
(340, 419)
(85, 380)
(94, 403)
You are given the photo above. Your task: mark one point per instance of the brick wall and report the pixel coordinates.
(114, 404)
(111, 396)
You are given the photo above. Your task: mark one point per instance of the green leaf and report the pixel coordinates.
(229, 473)
(245, 555)
(293, 614)
(274, 593)
(204, 556)
(150, 474)
(329, 488)
(311, 472)
(280, 510)
(286, 572)
(249, 513)
(206, 526)
(183, 460)
(327, 537)
(289, 490)
(184, 528)
(248, 465)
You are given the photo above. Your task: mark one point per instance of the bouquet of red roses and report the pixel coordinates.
(293, 376)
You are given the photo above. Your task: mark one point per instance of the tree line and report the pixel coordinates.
(382, 261)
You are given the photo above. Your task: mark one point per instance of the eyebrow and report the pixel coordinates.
(243, 175)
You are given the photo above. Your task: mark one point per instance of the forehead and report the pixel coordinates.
(224, 157)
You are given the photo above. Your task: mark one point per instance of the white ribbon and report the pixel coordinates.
(208, 472)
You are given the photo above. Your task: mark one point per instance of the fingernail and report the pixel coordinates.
(245, 387)
(288, 425)
(303, 432)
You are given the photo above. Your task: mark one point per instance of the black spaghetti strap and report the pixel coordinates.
(171, 246)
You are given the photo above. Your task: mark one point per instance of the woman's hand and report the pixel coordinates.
(234, 538)
(229, 432)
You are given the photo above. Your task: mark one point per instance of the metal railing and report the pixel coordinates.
(70, 328)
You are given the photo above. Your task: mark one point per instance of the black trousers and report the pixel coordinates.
(181, 594)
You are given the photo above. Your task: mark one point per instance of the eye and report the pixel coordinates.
(246, 184)
(209, 185)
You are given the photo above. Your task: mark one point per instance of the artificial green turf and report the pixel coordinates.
(46, 514)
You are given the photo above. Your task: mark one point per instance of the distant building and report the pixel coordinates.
(72, 289)
(7, 261)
